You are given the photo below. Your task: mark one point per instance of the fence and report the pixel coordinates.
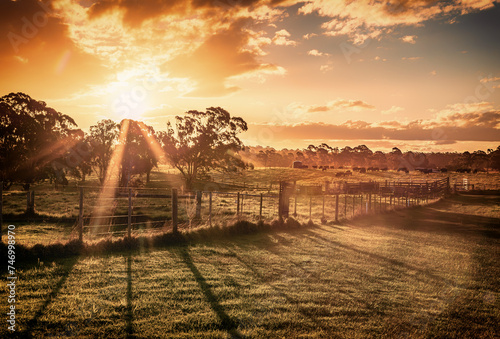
(128, 211)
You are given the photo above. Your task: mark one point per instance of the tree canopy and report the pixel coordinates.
(102, 137)
(32, 135)
(203, 141)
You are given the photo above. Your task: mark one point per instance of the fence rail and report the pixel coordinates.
(136, 210)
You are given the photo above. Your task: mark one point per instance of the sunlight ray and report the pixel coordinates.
(152, 142)
(110, 181)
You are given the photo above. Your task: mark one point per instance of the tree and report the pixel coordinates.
(75, 161)
(263, 157)
(361, 154)
(103, 138)
(480, 160)
(32, 135)
(494, 158)
(396, 158)
(379, 159)
(202, 141)
(345, 156)
(138, 155)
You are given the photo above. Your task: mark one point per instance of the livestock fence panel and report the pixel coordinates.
(119, 211)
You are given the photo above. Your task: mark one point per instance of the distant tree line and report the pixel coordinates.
(362, 156)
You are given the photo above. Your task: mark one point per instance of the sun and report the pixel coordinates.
(128, 100)
(130, 92)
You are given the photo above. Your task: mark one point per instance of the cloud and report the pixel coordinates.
(339, 104)
(221, 56)
(445, 142)
(309, 36)
(490, 119)
(409, 39)
(433, 72)
(471, 127)
(393, 110)
(36, 48)
(366, 19)
(315, 52)
(281, 38)
(489, 79)
(326, 68)
(464, 108)
(135, 13)
(411, 58)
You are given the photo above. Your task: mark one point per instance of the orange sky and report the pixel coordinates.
(420, 75)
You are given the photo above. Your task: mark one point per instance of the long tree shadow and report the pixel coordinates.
(33, 322)
(129, 315)
(318, 322)
(390, 263)
(227, 323)
(436, 218)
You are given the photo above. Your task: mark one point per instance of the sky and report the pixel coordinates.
(419, 75)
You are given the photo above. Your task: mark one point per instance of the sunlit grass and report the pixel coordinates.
(423, 272)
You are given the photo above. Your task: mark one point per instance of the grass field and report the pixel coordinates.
(58, 209)
(430, 271)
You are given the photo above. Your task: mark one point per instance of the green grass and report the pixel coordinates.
(429, 271)
(59, 208)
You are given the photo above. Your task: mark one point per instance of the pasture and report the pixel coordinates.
(426, 271)
(57, 209)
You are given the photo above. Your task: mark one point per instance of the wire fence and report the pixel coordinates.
(116, 211)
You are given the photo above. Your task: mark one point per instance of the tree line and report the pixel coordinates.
(362, 156)
(37, 143)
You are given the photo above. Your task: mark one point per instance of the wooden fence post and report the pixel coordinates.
(198, 206)
(260, 207)
(238, 206)
(353, 204)
(323, 208)
(369, 202)
(129, 220)
(1, 209)
(337, 207)
(80, 217)
(210, 209)
(174, 210)
(30, 203)
(361, 203)
(295, 205)
(28, 198)
(345, 205)
(310, 206)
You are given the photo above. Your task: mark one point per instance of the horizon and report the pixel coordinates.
(298, 72)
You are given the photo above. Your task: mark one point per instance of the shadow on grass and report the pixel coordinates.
(33, 322)
(436, 218)
(129, 315)
(318, 322)
(227, 323)
(389, 262)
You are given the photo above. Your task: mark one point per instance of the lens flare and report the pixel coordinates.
(105, 201)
